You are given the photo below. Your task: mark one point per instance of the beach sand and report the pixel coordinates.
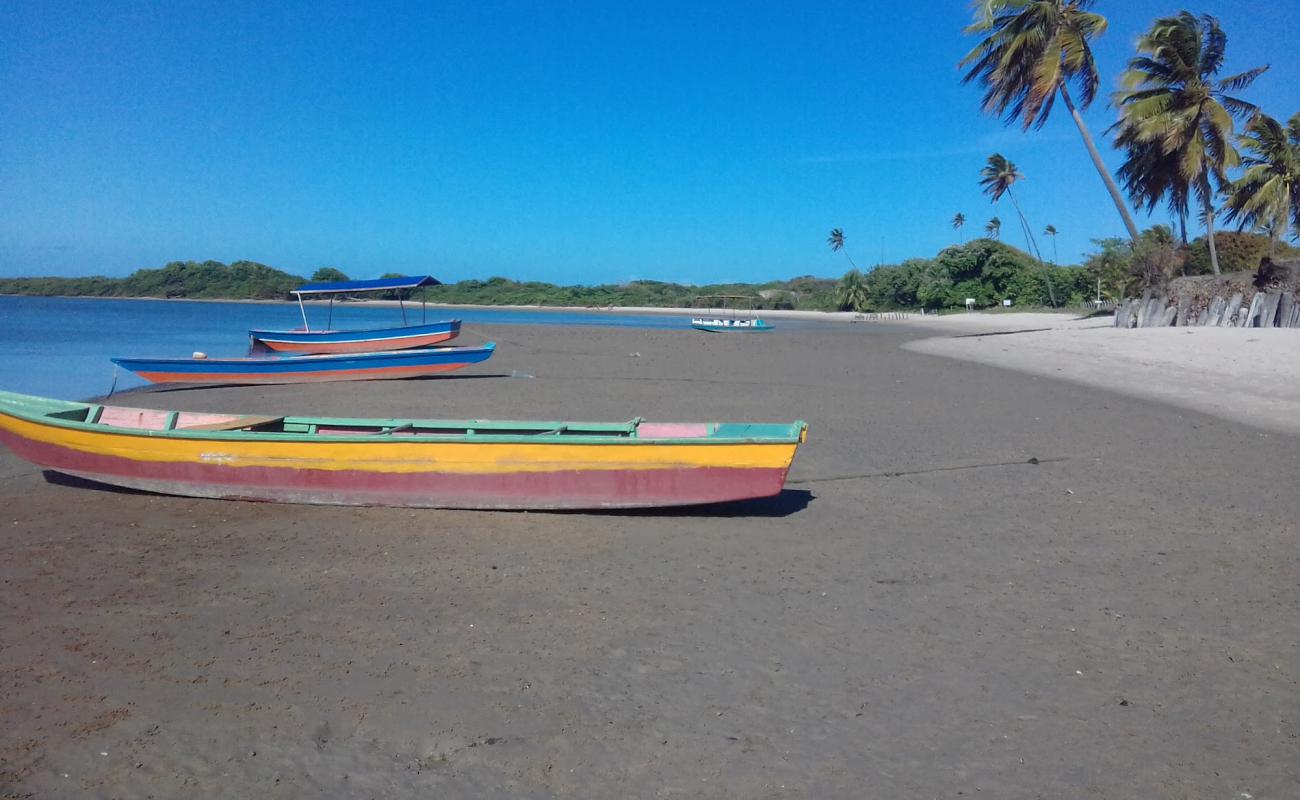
(1250, 376)
(924, 612)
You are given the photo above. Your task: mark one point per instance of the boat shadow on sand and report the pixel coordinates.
(789, 501)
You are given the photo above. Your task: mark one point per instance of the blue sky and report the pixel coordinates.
(575, 142)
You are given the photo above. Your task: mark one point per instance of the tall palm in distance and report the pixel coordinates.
(1173, 107)
(1051, 231)
(997, 177)
(993, 228)
(1267, 195)
(958, 220)
(1031, 53)
(836, 241)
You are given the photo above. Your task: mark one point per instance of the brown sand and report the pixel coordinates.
(923, 614)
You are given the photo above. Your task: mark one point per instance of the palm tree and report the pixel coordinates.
(1051, 231)
(997, 178)
(1031, 53)
(836, 241)
(958, 220)
(993, 228)
(1176, 118)
(1268, 194)
(851, 294)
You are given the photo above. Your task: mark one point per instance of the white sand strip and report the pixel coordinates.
(1250, 376)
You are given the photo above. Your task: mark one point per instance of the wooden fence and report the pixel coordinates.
(1267, 309)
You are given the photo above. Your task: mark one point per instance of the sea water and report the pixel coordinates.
(60, 346)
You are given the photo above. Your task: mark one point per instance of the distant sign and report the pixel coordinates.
(1007, 302)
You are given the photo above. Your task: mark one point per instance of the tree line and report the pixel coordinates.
(1190, 141)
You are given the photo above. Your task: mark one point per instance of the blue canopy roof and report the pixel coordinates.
(376, 285)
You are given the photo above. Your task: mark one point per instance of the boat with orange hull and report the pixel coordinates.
(414, 363)
(369, 340)
(305, 341)
(403, 462)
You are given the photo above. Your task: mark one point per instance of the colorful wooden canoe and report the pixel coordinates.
(356, 341)
(308, 369)
(403, 462)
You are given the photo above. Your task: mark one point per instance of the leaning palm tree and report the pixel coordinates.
(993, 228)
(1176, 117)
(1031, 53)
(1267, 195)
(836, 241)
(1051, 231)
(997, 178)
(958, 220)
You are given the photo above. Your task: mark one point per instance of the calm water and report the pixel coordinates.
(59, 347)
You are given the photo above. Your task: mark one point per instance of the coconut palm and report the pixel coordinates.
(958, 220)
(1051, 231)
(993, 228)
(836, 241)
(1267, 195)
(851, 294)
(997, 177)
(1176, 117)
(1031, 53)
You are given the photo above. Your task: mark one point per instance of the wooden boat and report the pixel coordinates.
(354, 341)
(326, 340)
(734, 314)
(403, 462)
(308, 369)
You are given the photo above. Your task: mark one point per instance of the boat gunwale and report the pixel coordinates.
(400, 331)
(796, 431)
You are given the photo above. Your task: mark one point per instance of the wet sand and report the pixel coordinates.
(924, 613)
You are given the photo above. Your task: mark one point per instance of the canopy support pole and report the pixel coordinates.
(303, 309)
(424, 302)
(329, 323)
(401, 306)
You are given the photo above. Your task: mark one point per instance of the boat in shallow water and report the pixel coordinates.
(728, 313)
(325, 340)
(415, 363)
(403, 462)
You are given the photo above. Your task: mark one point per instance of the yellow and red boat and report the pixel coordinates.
(403, 462)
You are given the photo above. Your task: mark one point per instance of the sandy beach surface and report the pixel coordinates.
(980, 582)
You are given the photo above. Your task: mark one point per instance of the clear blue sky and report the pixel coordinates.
(574, 142)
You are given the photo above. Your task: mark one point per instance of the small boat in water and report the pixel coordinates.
(403, 462)
(413, 363)
(369, 340)
(728, 313)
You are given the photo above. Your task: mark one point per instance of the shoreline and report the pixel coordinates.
(805, 314)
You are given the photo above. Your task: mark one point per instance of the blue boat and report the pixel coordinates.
(370, 340)
(392, 364)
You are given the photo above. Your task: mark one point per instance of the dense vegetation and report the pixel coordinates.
(247, 280)
(242, 280)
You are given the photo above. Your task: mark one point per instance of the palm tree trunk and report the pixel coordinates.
(1029, 237)
(1101, 167)
(1209, 235)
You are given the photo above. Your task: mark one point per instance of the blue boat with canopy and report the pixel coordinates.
(306, 341)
